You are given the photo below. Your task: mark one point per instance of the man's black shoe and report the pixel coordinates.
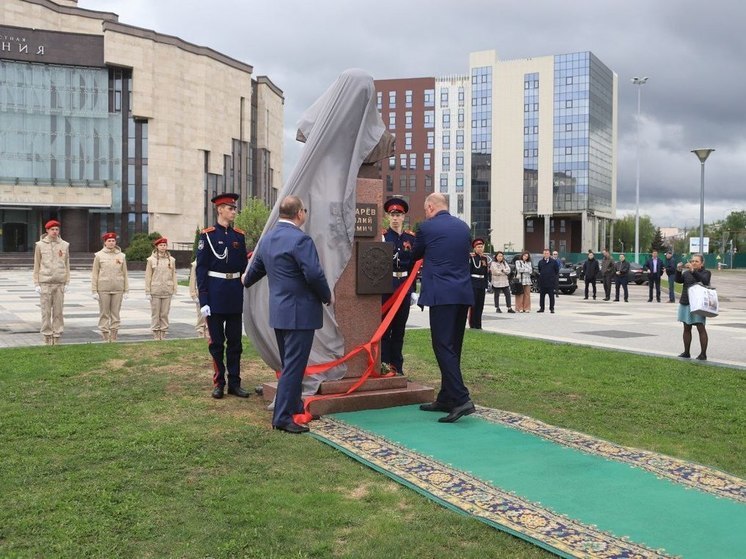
(238, 391)
(217, 392)
(540, 310)
(701, 357)
(607, 298)
(292, 427)
(458, 412)
(650, 300)
(551, 311)
(435, 406)
(685, 355)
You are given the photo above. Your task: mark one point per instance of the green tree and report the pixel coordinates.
(624, 233)
(141, 246)
(658, 243)
(252, 220)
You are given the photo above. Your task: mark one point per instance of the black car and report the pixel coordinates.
(568, 277)
(637, 274)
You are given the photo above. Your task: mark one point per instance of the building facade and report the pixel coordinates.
(111, 127)
(407, 107)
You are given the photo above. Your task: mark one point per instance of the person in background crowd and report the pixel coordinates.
(608, 271)
(548, 274)
(591, 270)
(688, 274)
(443, 240)
(500, 272)
(621, 272)
(51, 277)
(524, 268)
(480, 274)
(392, 341)
(110, 285)
(201, 326)
(160, 286)
(221, 259)
(670, 266)
(560, 263)
(655, 267)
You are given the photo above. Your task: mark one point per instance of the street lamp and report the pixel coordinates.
(639, 82)
(702, 154)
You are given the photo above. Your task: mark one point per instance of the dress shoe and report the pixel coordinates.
(498, 311)
(685, 355)
(292, 427)
(435, 406)
(540, 310)
(511, 311)
(671, 301)
(616, 300)
(607, 298)
(238, 391)
(458, 412)
(650, 300)
(594, 297)
(701, 357)
(551, 311)
(217, 392)
(585, 298)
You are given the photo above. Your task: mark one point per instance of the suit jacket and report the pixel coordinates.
(297, 285)
(591, 268)
(659, 268)
(445, 243)
(548, 273)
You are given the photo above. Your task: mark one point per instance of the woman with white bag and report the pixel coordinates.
(689, 274)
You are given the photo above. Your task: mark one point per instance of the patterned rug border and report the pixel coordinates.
(466, 493)
(703, 478)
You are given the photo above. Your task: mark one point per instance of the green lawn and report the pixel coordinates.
(118, 450)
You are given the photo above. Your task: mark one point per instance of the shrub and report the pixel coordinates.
(141, 246)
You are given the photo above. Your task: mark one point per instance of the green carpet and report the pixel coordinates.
(567, 492)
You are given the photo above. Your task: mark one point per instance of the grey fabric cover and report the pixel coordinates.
(340, 129)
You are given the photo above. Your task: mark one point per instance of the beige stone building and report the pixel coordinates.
(108, 126)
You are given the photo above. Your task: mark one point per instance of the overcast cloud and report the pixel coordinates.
(693, 53)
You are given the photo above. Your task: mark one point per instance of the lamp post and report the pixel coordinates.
(702, 154)
(639, 82)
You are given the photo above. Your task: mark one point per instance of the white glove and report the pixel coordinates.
(148, 297)
(126, 295)
(205, 311)
(38, 289)
(413, 298)
(95, 296)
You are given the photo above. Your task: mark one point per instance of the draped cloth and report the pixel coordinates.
(340, 130)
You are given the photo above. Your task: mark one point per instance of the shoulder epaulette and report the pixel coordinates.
(237, 230)
(208, 230)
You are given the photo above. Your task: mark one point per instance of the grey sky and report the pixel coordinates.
(691, 51)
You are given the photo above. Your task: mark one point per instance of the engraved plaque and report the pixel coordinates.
(374, 268)
(366, 220)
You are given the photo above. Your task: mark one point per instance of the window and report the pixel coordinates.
(402, 161)
(536, 129)
(408, 119)
(526, 107)
(446, 119)
(568, 104)
(529, 226)
(389, 183)
(408, 98)
(430, 139)
(460, 161)
(379, 100)
(536, 106)
(428, 183)
(412, 160)
(402, 182)
(527, 84)
(460, 204)
(446, 162)
(536, 84)
(429, 97)
(392, 162)
(562, 226)
(443, 182)
(392, 121)
(568, 127)
(429, 119)
(413, 183)
(459, 182)
(407, 140)
(443, 97)
(459, 139)
(526, 130)
(461, 118)
(461, 96)
(568, 80)
(426, 164)
(568, 150)
(446, 140)
(392, 99)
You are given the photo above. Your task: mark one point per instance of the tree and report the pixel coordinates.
(141, 246)
(252, 219)
(658, 243)
(624, 233)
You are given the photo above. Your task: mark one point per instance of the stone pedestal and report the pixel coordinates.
(359, 316)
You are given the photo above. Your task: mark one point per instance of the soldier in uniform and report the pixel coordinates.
(392, 341)
(221, 259)
(480, 274)
(109, 285)
(51, 277)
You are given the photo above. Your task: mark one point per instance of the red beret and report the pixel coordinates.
(476, 242)
(226, 198)
(106, 236)
(51, 223)
(159, 241)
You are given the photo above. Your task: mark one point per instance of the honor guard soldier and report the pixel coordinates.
(221, 259)
(392, 341)
(480, 273)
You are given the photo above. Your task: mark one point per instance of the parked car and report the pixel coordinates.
(568, 277)
(637, 274)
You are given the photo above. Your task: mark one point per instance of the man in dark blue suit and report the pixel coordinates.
(655, 267)
(548, 274)
(445, 243)
(297, 289)
(221, 258)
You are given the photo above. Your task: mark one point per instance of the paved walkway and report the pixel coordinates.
(637, 326)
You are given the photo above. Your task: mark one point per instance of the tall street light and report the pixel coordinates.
(639, 82)
(702, 154)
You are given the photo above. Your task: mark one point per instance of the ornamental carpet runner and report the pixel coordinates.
(567, 492)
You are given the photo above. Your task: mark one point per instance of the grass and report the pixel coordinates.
(118, 450)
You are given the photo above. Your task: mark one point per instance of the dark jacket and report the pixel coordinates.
(548, 273)
(659, 268)
(622, 271)
(670, 264)
(690, 278)
(591, 269)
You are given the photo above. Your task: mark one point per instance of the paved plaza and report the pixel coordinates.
(637, 326)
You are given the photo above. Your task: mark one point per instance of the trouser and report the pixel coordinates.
(225, 337)
(590, 282)
(622, 283)
(475, 313)
(671, 291)
(295, 347)
(447, 325)
(607, 286)
(543, 292)
(201, 326)
(523, 300)
(109, 305)
(159, 309)
(52, 299)
(506, 293)
(657, 283)
(392, 341)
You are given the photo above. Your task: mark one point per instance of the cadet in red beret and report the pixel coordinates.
(109, 285)
(51, 276)
(160, 286)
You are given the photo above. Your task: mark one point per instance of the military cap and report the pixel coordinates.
(225, 198)
(395, 205)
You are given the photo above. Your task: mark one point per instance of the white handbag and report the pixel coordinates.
(703, 300)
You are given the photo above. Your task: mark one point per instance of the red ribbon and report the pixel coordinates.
(389, 309)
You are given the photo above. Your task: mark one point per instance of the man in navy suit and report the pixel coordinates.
(655, 267)
(548, 274)
(297, 289)
(445, 243)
